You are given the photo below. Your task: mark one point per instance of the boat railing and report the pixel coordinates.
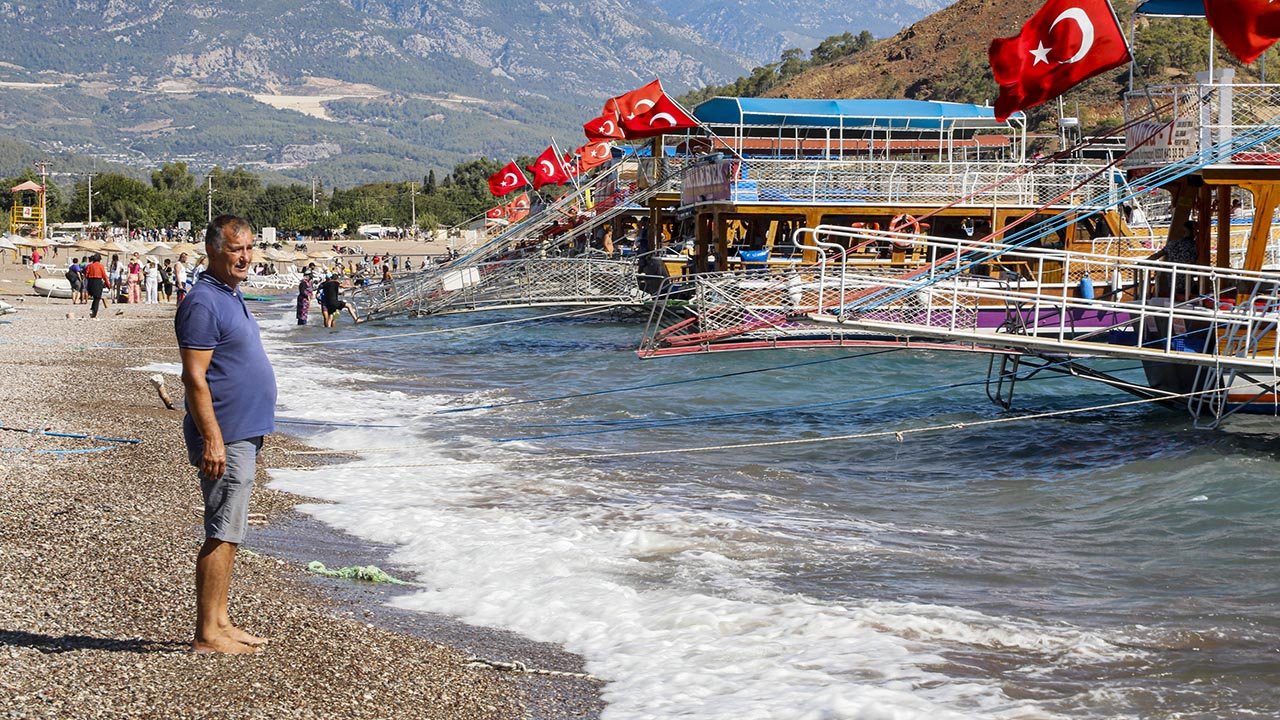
(1195, 117)
(885, 182)
(1166, 309)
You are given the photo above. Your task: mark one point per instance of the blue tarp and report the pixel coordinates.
(1172, 8)
(774, 112)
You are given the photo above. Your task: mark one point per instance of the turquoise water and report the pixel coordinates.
(1113, 563)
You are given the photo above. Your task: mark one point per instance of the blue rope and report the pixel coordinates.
(669, 383)
(80, 436)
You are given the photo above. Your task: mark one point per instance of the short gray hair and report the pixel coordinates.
(222, 226)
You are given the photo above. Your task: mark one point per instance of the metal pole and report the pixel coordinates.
(90, 201)
(210, 200)
(413, 204)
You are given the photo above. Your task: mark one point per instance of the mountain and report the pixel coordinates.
(944, 57)
(763, 30)
(358, 90)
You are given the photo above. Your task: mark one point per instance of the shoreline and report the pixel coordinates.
(99, 552)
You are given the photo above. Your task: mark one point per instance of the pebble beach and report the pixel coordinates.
(98, 545)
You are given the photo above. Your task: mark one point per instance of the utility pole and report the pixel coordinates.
(43, 167)
(90, 200)
(210, 199)
(313, 191)
(413, 205)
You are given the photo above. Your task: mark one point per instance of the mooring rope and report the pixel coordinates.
(668, 383)
(900, 435)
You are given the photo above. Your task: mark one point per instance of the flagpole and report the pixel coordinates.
(560, 159)
(706, 128)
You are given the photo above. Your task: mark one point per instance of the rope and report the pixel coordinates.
(632, 388)
(79, 436)
(82, 451)
(898, 434)
(481, 326)
(520, 667)
(323, 423)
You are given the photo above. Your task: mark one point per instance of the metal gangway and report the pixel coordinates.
(525, 266)
(1218, 325)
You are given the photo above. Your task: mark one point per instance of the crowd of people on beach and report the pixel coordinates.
(135, 281)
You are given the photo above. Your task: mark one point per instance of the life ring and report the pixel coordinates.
(904, 223)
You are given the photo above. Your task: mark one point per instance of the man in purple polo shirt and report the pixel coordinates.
(231, 400)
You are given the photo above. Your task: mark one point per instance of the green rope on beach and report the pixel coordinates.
(368, 573)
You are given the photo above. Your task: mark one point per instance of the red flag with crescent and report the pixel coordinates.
(664, 116)
(571, 165)
(604, 127)
(518, 209)
(507, 179)
(496, 213)
(1246, 27)
(548, 169)
(636, 102)
(593, 155)
(1065, 43)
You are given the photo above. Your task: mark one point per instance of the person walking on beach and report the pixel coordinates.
(230, 401)
(75, 276)
(95, 277)
(135, 281)
(152, 282)
(166, 280)
(180, 277)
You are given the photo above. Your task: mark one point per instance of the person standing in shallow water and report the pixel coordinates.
(230, 401)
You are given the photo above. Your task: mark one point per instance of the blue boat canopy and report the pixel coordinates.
(1172, 8)
(861, 113)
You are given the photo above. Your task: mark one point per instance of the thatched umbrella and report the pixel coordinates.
(89, 244)
(31, 242)
(161, 250)
(112, 246)
(322, 254)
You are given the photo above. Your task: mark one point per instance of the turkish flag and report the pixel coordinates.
(496, 213)
(594, 155)
(1246, 27)
(663, 117)
(518, 209)
(547, 169)
(507, 179)
(571, 165)
(628, 105)
(1065, 43)
(604, 127)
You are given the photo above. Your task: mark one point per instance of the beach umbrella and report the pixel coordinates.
(31, 242)
(6, 243)
(89, 244)
(322, 254)
(161, 250)
(188, 248)
(112, 246)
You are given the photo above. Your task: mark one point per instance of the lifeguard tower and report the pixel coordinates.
(28, 209)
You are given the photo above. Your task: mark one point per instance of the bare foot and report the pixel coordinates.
(241, 636)
(222, 646)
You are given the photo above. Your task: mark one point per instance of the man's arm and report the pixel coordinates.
(195, 364)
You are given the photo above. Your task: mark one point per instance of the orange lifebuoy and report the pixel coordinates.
(904, 223)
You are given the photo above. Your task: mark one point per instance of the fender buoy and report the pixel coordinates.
(904, 223)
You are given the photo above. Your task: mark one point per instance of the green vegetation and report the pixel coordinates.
(175, 195)
(766, 77)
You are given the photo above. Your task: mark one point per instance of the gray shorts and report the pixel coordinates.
(226, 499)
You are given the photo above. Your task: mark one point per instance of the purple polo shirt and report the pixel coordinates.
(214, 317)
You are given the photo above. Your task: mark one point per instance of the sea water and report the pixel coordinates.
(1108, 564)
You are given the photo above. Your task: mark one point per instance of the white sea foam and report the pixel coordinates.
(671, 605)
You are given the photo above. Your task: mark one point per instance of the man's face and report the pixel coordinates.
(230, 264)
